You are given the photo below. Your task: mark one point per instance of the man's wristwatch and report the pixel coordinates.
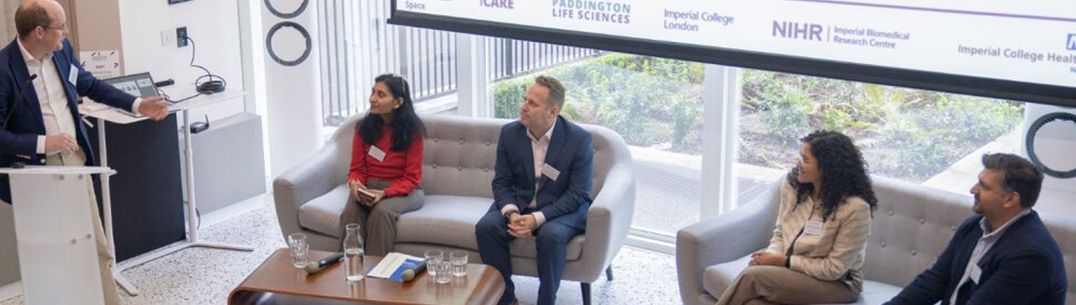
(509, 213)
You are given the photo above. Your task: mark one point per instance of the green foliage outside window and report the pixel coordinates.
(648, 100)
(656, 102)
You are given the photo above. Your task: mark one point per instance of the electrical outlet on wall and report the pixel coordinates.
(168, 38)
(181, 37)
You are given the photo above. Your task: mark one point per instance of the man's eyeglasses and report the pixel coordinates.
(62, 28)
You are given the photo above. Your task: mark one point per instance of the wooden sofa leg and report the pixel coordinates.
(609, 273)
(586, 293)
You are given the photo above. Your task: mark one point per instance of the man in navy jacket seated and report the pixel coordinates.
(1004, 255)
(541, 188)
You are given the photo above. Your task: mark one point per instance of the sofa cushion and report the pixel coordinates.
(326, 213)
(450, 220)
(877, 293)
(718, 277)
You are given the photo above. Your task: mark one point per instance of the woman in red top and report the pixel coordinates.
(386, 162)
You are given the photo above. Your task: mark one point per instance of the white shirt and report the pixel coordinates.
(986, 242)
(539, 147)
(55, 111)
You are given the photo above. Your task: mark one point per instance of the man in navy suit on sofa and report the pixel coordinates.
(541, 189)
(1004, 255)
(40, 80)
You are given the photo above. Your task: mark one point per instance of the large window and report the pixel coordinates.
(704, 139)
(656, 105)
(356, 45)
(921, 136)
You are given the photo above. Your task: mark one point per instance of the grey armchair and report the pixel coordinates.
(457, 170)
(910, 228)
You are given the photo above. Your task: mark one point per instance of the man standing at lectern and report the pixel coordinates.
(40, 81)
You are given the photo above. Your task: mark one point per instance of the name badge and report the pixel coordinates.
(975, 273)
(813, 228)
(377, 153)
(72, 76)
(550, 172)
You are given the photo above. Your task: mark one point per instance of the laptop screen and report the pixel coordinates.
(140, 85)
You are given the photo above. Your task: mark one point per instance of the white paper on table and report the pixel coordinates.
(392, 264)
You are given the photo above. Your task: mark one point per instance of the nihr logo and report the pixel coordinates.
(797, 30)
(1072, 42)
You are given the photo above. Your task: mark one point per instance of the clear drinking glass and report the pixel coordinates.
(458, 259)
(354, 251)
(444, 271)
(433, 257)
(299, 249)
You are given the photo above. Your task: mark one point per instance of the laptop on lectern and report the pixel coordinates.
(139, 84)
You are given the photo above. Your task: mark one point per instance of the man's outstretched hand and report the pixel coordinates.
(153, 107)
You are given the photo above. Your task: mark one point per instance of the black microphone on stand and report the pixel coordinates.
(19, 96)
(313, 267)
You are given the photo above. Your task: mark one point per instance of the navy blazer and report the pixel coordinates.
(1023, 267)
(18, 138)
(571, 151)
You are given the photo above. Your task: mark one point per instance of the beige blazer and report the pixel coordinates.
(834, 255)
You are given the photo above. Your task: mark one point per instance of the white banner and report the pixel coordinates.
(1027, 41)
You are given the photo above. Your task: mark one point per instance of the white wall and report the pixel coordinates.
(7, 25)
(293, 92)
(1054, 145)
(212, 24)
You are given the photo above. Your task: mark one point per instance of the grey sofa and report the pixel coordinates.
(911, 227)
(457, 170)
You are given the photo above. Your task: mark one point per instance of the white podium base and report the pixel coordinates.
(173, 248)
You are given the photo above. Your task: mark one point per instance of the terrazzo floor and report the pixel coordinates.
(206, 276)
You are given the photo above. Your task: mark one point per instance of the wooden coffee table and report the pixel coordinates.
(277, 282)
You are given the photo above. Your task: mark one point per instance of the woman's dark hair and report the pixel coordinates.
(406, 124)
(844, 173)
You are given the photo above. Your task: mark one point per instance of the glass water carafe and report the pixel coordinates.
(354, 250)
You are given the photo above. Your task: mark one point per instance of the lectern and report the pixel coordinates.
(54, 232)
(112, 115)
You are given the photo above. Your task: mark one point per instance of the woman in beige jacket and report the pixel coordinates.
(816, 253)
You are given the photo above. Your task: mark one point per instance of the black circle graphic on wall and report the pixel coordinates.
(302, 7)
(1032, 132)
(269, 43)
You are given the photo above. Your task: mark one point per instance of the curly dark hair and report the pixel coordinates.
(844, 173)
(406, 125)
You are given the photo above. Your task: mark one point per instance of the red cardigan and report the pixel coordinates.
(403, 168)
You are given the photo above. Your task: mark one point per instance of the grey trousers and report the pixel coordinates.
(758, 285)
(104, 252)
(104, 255)
(378, 223)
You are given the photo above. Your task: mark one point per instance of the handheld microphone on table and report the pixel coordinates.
(409, 274)
(313, 267)
(18, 99)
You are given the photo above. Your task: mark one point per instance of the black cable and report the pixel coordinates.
(198, 83)
(1030, 143)
(169, 99)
